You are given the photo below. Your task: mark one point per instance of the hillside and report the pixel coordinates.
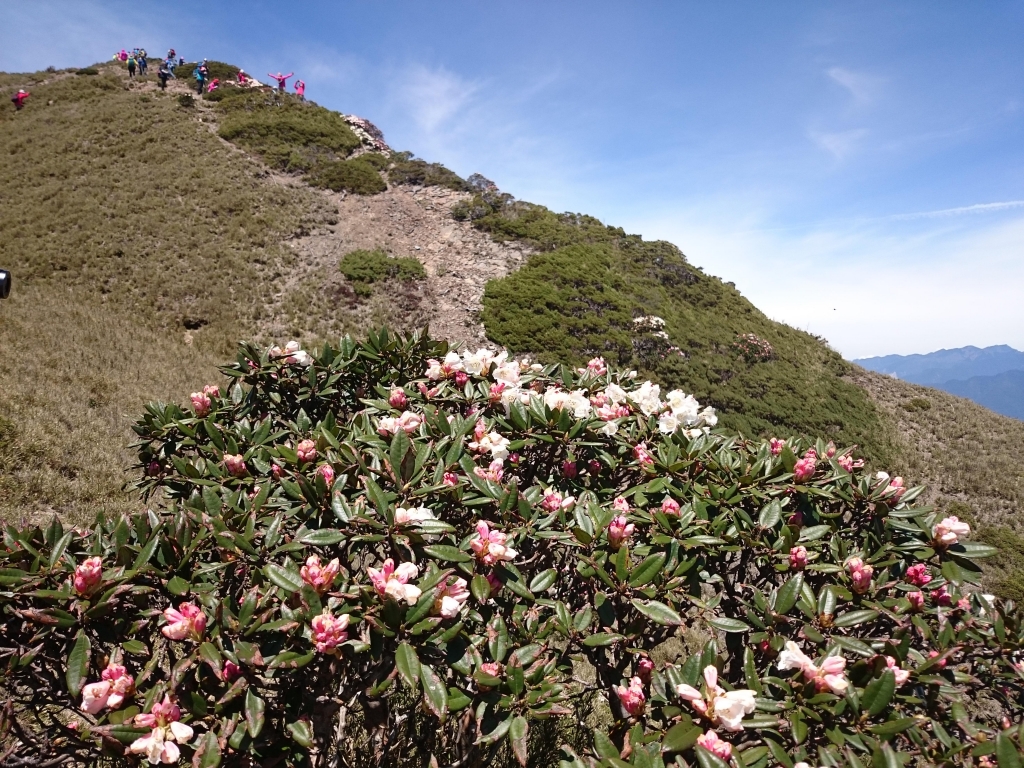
(148, 232)
(1002, 393)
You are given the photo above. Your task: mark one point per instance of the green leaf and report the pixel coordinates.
(517, 734)
(789, 593)
(601, 639)
(814, 532)
(499, 731)
(178, 586)
(708, 760)
(447, 552)
(645, 572)
(434, 692)
(288, 580)
(879, 693)
(514, 676)
(208, 753)
(892, 727)
(1007, 755)
(78, 664)
(209, 653)
(59, 547)
(543, 580)
(729, 625)
(408, 664)
(254, 709)
(770, 515)
(853, 618)
(481, 588)
(322, 537)
(658, 612)
(301, 733)
(135, 648)
(680, 737)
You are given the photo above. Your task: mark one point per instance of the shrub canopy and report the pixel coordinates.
(389, 553)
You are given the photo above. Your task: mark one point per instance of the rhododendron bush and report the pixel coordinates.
(390, 554)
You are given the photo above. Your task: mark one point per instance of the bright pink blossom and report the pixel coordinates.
(644, 669)
(88, 575)
(918, 575)
(632, 698)
(620, 505)
(393, 582)
(716, 746)
(798, 558)
(319, 577)
(306, 451)
(211, 390)
(916, 600)
(328, 632)
(670, 507)
(326, 471)
(492, 668)
(200, 403)
(234, 463)
(408, 422)
(860, 574)
(597, 366)
(942, 663)
(231, 671)
(619, 530)
(114, 686)
(642, 455)
(494, 472)
(450, 478)
(489, 545)
(187, 622)
(496, 390)
(461, 377)
(941, 596)
(902, 675)
(776, 445)
(803, 470)
(398, 399)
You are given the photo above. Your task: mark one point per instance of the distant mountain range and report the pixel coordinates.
(992, 377)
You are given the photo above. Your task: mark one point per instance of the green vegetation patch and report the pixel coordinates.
(359, 175)
(364, 268)
(406, 169)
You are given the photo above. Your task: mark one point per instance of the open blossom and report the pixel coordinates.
(493, 443)
(398, 398)
(478, 363)
(114, 686)
(200, 403)
(941, 596)
(798, 558)
(187, 622)
(576, 401)
(451, 600)
(494, 472)
(670, 507)
(619, 529)
(160, 745)
(949, 530)
(895, 491)
(306, 451)
(860, 574)
(292, 354)
(489, 545)
(445, 368)
(393, 582)
(632, 698)
(620, 504)
(724, 708)
(803, 470)
(319, 577)
(918, 575)
(412, 515)
(597, 366)
(234, 463)
(88, 575)
(827, 674)
(776, 445)
(916, 600)
(554, 501)
(408, 422)
(647, 398)
(328, 632)
(716, 746)
(507, 373)
(902, 675)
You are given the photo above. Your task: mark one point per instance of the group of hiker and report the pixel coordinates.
(137, 60)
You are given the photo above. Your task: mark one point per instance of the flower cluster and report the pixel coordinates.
(753, 348)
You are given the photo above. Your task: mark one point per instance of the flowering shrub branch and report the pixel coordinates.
(389, 551)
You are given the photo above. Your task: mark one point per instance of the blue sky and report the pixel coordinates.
(856, 169)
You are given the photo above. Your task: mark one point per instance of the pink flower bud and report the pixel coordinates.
(918, 575)
(568, 469)
(450, 478)
(306, 451)
(798, 558)
(597, 366)
(231, 671)
(776, 445)
(200, 403)
(641, 454)
(619, 531)
(714, 745)
(830, 450)
(235, 465)
(319, 577)
(513, 459)
(644, 669)
(461, 377)
(796, 519)
(398, 399)
(941, 596)
(620, 505)
(933, 654)
(211, 390)
(88, 575)
(916, 601)
(154, 469)
(670, 507)
(276, 471)
(495, 583)
(860, 574)
(328, 632)
(326, 471)
(803, 470)
(594, 467)
(632, 698)
(491, 668)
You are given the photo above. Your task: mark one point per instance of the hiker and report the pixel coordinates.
(199, 73)
(123, 55)
(143, 64)
(181, 61)
(213, 85)
(170, 64)
(300, 89)
(171, 53)
(19, 98)
(162, 74)
(131, 66)
(242, 77)
(281, 80)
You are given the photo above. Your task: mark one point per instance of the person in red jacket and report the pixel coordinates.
(19, 98)
(242, 77)
(300, 89)
(281, 80)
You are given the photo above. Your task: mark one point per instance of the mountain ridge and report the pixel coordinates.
(944, 365)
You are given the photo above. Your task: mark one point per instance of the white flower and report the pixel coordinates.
(668, 423)
(507, 373)
(708, 416)
(494, 443)
(615, 394)
(415, 515)
(793, 658)
(882, 476)
(684, 406)
(477, 363)
(724, 708)
(647, 399)
(609, 428)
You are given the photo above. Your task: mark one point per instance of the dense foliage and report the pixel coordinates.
(389, 553)
(364, 268)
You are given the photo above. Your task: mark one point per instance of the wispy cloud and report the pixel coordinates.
(839, 143)
(434, 96)
(964, 209)
(861, 86)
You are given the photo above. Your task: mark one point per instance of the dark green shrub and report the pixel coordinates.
(186, 100)
(87, 71)
(358, 175)
(407, 169)
(364, 268)
(917, 404)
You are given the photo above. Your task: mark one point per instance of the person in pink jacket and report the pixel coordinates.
(19, 98)
(242, 77)
(300, 89)
(281, 80)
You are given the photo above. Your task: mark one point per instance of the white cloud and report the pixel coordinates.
(862, 87)
(965, 209)
(434, 96)
(839, 143)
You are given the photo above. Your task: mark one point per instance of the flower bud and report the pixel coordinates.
(568, 469)
(306, 451)
(798, 558)
(398, 399)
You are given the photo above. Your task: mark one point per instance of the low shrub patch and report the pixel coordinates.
(364, 268)
(357, 175)
(406, 169)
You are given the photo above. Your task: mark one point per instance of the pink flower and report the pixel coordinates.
(159, 745)
(948, 531)
(941, 596)
(461, 377)
(846, 462)
(553, 501)
(489, 545)
(594, 467)
(916, 601)
(860, 574)
(719, 706)
(200, 403)
(670, 507)
(641, 454)
(88, 575)
(714, 745)
(235, 465)
(902, 675)
(328, 632)
(830, 450)
(495, 584)
(632, 698)
(319, 577)
(895, 491)
(188, 622)
(963, 604)
(394, 582)
(597, 366)
(803, 470)
(796, 519)
(798, 558)
(231, 671)
(276, 471)
(918, 575)
(776, 445)
(620, 505)
(450, 478)
(491, 668)
(451, 600)
(940, 664)
(154, 469)
(211, 390)
(398, 399)
(115, 685)
(619, 530)
(412, 515)
(306, 451)
(644, 669)
(326, 471)
(494, 472)
(568, 469)
(827, 674)
(408, 422)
